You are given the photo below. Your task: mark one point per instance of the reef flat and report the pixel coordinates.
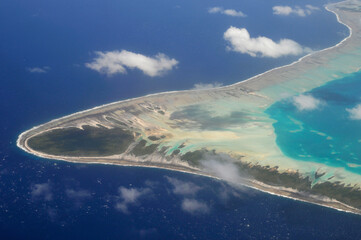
(198, 131)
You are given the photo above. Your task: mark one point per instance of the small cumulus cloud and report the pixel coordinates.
(240, 41)
(129, 196)
(229, 12)
(201, 86)
(42, 191)
(287, 10)
(183, 188)
(38, 69)
(222, 166)
(77, 194)
(226, 192)
(306, 102)
(194, 206)
(151, 184)
(355, 113)
(226, 168)
(114, 62)
(312, 8)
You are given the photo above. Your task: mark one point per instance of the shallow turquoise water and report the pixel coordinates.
(326, 134)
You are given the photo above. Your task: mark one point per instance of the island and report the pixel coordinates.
(208, 131)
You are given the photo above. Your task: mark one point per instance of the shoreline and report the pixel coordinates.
(249, 183)
(258, 186)
(279, 191)
(201, 90)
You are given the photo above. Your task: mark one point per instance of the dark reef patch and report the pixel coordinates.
(195, 115)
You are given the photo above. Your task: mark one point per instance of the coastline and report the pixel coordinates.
(265, 188)
(200, 90)
(248, 183)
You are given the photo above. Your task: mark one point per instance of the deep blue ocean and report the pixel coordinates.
(45, 199)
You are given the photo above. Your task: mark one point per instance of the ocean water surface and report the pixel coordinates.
(45, 199)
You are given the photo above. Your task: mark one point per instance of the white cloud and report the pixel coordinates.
(42, 190)
(113, 62)
(312, 8)
(123, 207)
(240, 41)
(201, 86)
(306, 102)
(226, 169)
(151, 184)
(183, 188)
(234, 13)
(129, 196)
(222, 168)
(38, 69)
(355, 113)
(226, 192)
(193, 206)
(282, 10)
(215, 10)
(287, 10)
(229, 12)
(77, 194)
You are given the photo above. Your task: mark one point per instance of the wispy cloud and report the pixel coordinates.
(129, 196)
(38, 69)
(183, 188)
(77, 194)
(223, 167)
(114, 62)
(306, 102)
(355, 113)
(229, 12)
(227, 191)
(201, 86)
(240, 40)
(194, 206)
(151, 184)
(42, 191)
(287, 10)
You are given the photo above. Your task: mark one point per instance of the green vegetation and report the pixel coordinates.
(345, 194)
(89, 142)
(161, 112)
(175, 152)
(155, 138)
(193, 158)
(182, 145)
(271, 176)
(141, 149)
(318, 175)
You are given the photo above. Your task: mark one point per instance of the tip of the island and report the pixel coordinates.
(203, 131)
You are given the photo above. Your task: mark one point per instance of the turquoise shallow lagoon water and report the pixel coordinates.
(326, 134)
